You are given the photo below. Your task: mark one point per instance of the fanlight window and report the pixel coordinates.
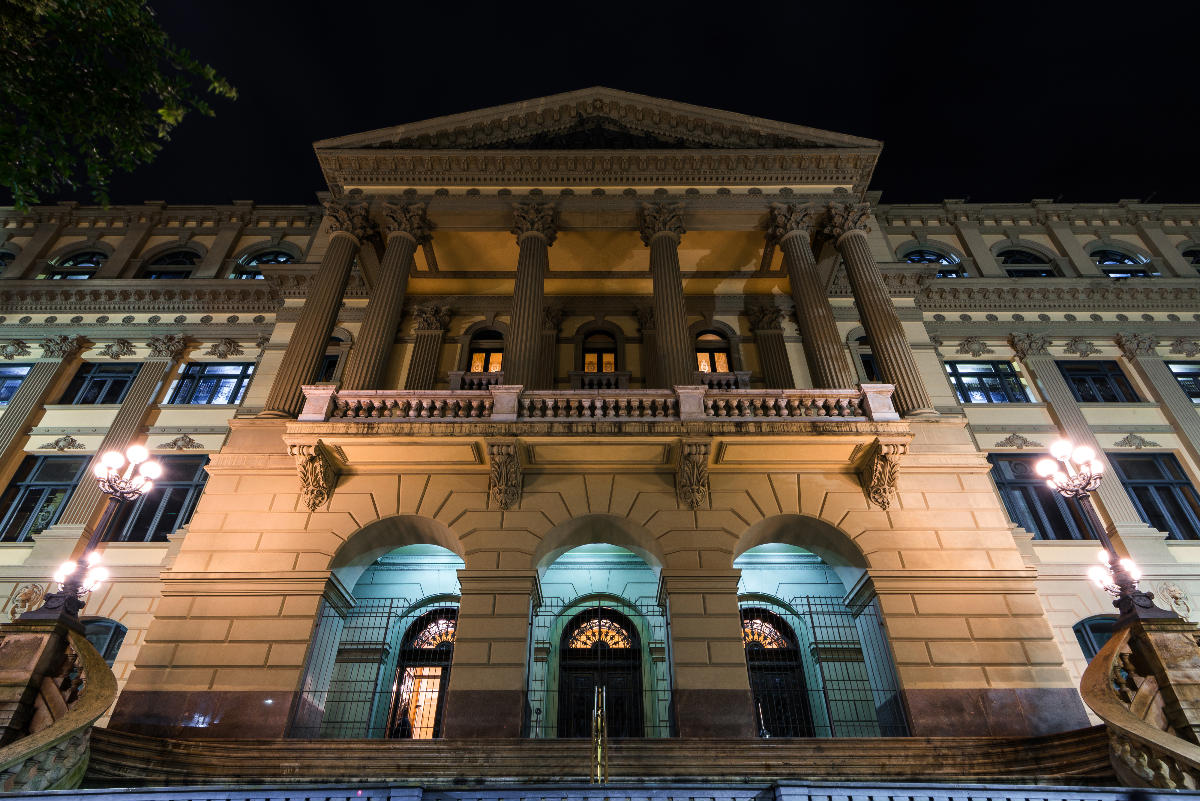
(926, 256)
(600, 632)
(1107, 256)
(599, 353)
(487, 352)
(438, 633)
(269, 257)
(177, 258)
(712, 353)
(758, 633)
(80, 265)
(1020, 256)
(1191, 256)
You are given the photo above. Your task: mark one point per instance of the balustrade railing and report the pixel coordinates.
(500, 403)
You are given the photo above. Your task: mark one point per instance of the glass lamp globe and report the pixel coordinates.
(137, 454)
(1061, 450)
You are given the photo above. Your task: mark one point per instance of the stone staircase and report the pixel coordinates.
(1079, 757)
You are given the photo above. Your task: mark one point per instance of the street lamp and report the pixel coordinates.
(122, 477)
(1075, 472)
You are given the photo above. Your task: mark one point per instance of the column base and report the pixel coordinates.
(928, 412)
(274, 414)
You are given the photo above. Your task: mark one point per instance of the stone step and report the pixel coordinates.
(1075, 757)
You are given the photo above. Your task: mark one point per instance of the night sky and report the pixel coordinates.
(981, 100)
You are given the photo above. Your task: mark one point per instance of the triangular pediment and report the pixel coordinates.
(596, 119)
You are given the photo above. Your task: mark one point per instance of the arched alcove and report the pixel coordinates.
(375, 539)
(834, 547)
(597, 528)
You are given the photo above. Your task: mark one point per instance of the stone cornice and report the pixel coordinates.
(118, 295)
(1060, 293)
(168, 219)
(1116, 216)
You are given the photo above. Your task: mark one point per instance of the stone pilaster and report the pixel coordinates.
(1058, 226)
(535, 229)
(45, 234)
(124, 429)
(136, 233)
(661, 227)
(487, 695)
(824, 352)
(967, 228)
(712, 686)
(645, 318)
(348, 225)
(427, 349)
(1139, 349)
(406, 227)
(767, 324)
(848, 226)
(551, 320)
(1032, 350)
(17, 416)
(230, 228)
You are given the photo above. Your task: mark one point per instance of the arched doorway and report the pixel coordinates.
(422, 676)
(777, 684)
(600, 662)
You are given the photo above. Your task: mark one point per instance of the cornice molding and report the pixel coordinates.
(1060, 293)
(117, 295)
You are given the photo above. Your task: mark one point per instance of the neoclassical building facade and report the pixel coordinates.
(600, 391)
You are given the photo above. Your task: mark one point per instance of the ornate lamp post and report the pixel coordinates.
(1074, 472)
(122, 477)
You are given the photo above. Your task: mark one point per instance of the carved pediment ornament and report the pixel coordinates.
(317, 472)
(1135, 344)
(431, 318)
(224, 348)
(505, 479)
(15, 348)
(847, 217)
(765, 318)
(118, 348)
(787, 218)
(880, 471)
(64, 443)
(407, 218)
(660, 218)
(1185, 346)
(1026, 345)
(61, 346)
(1135, 441)
(974, 346)
(1080, 347)
(183, 442)
(691, 479)
(535, 218)
(170, 346)
(1017, 441)
(349, 215)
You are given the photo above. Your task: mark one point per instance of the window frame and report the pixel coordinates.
(477, 345)
(7, 381)
(1006, 373)
(130, 514)
(1180, 489)
(13, 496)
(1024, 500)
(1193, 393)
(1101, 373)
(86, 375)
(1087, 636)
(69, 267)
(725, 347)
(190, 378)
(106, 636)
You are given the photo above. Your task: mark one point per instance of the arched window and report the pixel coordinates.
(777, 683)
(927, 256)
(331, 362)
(79, 265)
(1093, 632)
(601, 652)
(248, 267)
(1023, 263)
(1191, 256)
(161, 266)
(1020, 256)
(868, 367)
(712, 352)
(105, 636)
(599, 352)
(422, 676)
(1108, 256)
(7, 257)
(1119, 264)
(486, 352)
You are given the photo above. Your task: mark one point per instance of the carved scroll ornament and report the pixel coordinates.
(880, 472)
(504, 478)
(318, 474)
(348, 216)
(659, 218)
(1026, 345)
(224, 348)
(974, 346)
(691, 480)
(787, 218)
(431, 318)
(118, 348)
(15, 348)
(168, 346)
(845, 218)
(1133, 345)
(407, 218)
(535, 218)
(184, 442)
(61, 346)
(765, 318)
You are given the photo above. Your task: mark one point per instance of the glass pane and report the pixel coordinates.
(8, 389)
(477, 362)
(590, 362)
(14, 371)
(206, 388)
(610, 363)
(114, 390)
(59, 470)
(224, 392)
(702, 363)
(721, 362)
(494, 362)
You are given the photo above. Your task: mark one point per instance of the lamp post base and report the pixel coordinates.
(1138, 605)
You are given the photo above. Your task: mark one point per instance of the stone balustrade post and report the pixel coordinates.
(406, 227)
(661, 227)
(767, 324)
(789, 227)
(535, 228)
(847, 224)
(348, 224)
(431, 323)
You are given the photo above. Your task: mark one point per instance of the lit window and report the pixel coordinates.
(1033, 505)
(486, 353)
(11, 376)
(1093, 632)
(599, 631)
(927, 256)
(166, 507)
(1108, 256)
(986, 382)
(712, 353)
(1188, 376)
(599, 353)
(951, 272)
(1021, 263)
(248, 267)
(37, 493)
(79, 266)
(757, 633)
(211, 383)
(419, 689)
(1161, 491)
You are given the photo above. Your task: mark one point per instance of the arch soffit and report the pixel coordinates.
(593, 529)
(1119, 245)
(363, 547)
(87, 246)
(835, 547)
(1024, 244)
(151, 253)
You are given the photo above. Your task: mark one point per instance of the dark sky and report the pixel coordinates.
(987, 100)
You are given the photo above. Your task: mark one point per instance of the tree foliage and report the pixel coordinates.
(88, 87)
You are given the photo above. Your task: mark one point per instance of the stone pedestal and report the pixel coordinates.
(30, 652)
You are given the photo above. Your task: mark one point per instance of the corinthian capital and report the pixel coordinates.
(846, 217)
(431, 318)
(1133, 345)
(535, 218)
(1026, 345)
(348, 215)
(61, 346)
(660, 218)
(407, 218)
(786, 218)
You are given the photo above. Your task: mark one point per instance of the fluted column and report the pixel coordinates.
(427, 350)
(164, 351)
(824, 352)
(551, 320)
(645, 318)
(767, 324)
(348, 225)
(407, 227)
(1139, 349)
(17, 416)
(847, 224)
(534, 227)
(661, 228)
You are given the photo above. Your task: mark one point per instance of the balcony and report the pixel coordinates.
(585, 380)
(460, 380)
(732, 380)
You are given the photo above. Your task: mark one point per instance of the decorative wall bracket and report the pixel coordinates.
(318, 473)
(184, 442)
(504, 479)
(64, 443)
(880, 471)
(691, 478)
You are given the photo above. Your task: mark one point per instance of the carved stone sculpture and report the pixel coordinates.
(1027, 345)
(1017, 441)
(431, 318)
(505, 478)
(845, 217)
(64, 443)
(15, 348)
(183, 442)
(1135, 441)
(349, 215)
(880, 472)
(169, 346)
(61, 346)
(691, 479)
(118, 348)
(657, 218)
(765, 318)
(784, 218)
(407, 218)
(1135, 344)
(975, 346)
(537, 218)
(318, 475)
(552, 318)
(1080, 346)
(224, 348)
(27, 598)
(1185, 346)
